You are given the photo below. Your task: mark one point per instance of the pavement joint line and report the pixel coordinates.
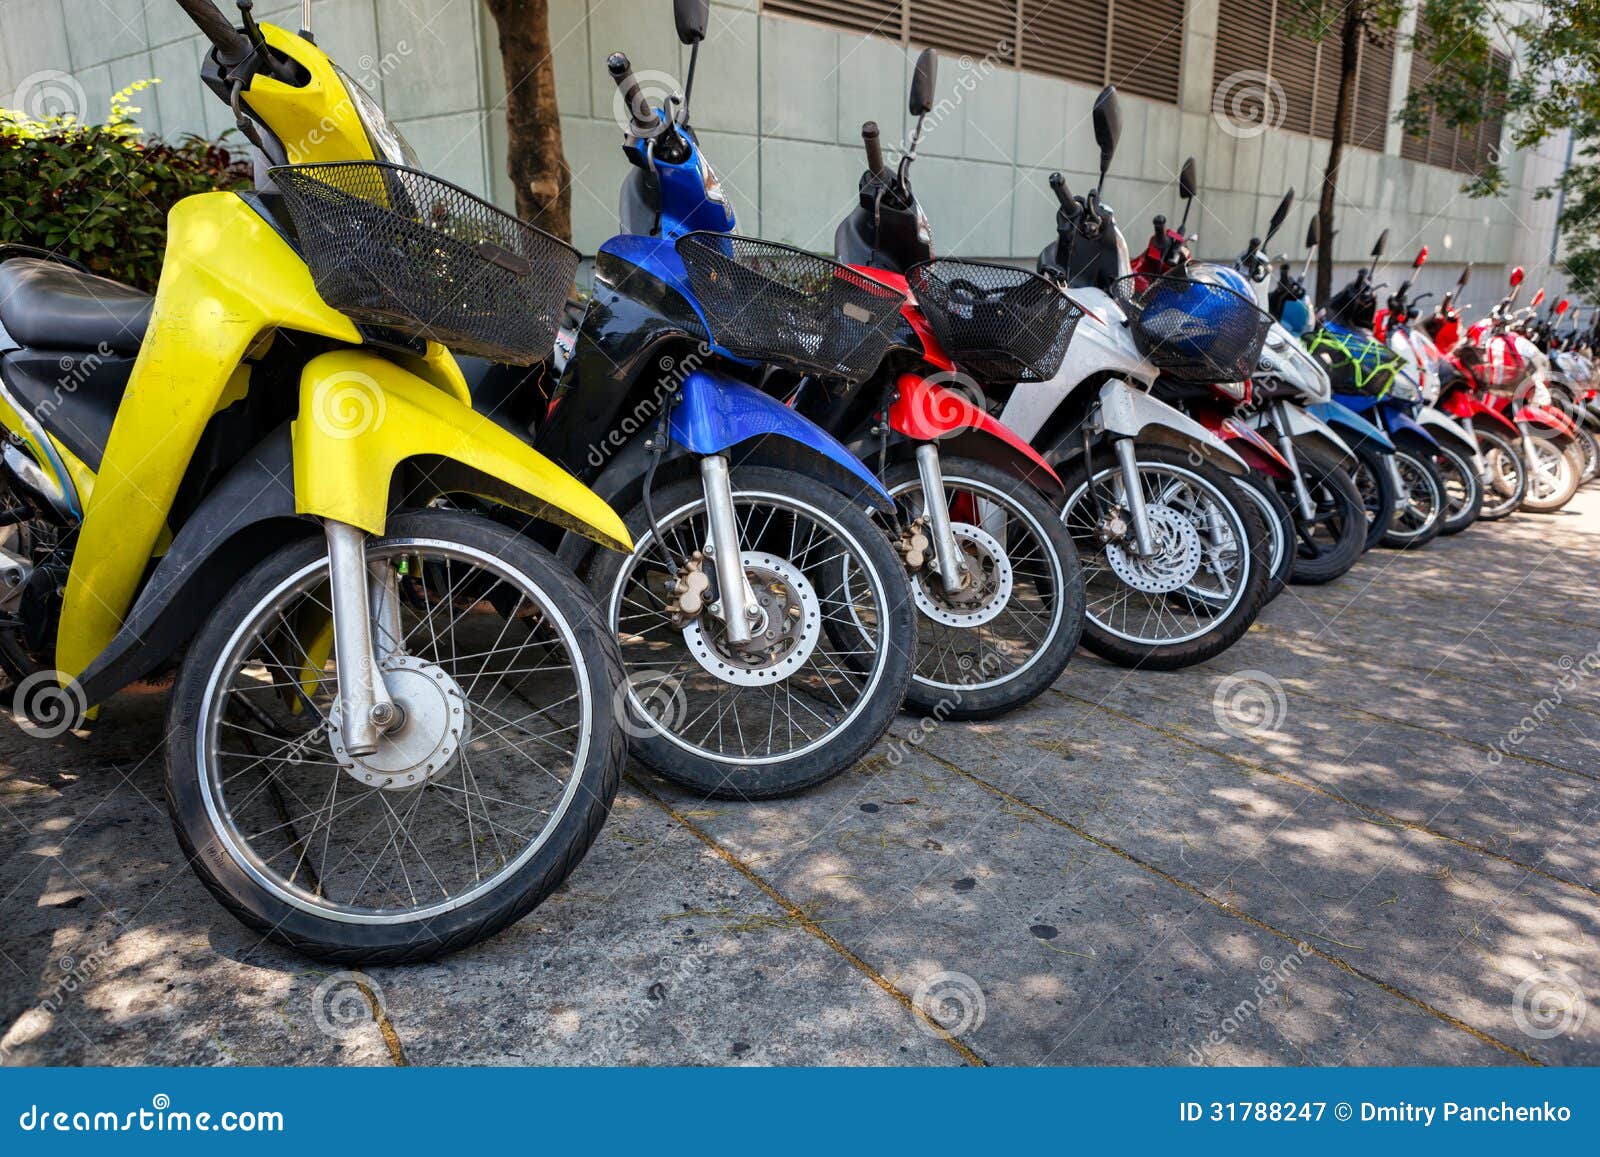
(1236, 913)
(1338, 797)
(799, 916)
(1449, 735)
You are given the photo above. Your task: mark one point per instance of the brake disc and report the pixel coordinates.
(985, 596)
(1174, 563)
(782, 639)
(422, 747)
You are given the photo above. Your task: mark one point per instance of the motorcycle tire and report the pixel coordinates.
(1279, 523)
(1507, 485)
(1463, 488)
(662, 707)
(1102, 633)
(1419, 516)
(1375, 484)
(969, 672)
(1553, 481)
(318, 909)
(1340, 511)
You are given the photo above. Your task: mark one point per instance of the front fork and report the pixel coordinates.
(736, 601)
(1302, 492)
(361, 599)
(952, 569)
(1133, 494)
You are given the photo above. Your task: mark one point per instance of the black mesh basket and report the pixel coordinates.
(1193, 330)
(774, 303)
(997, 322)
(392, 247)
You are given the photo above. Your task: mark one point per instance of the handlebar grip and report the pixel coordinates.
(216, 27)
(639, 111)
(1063, 194)
(869, 138)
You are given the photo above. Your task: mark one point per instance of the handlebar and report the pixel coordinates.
(218, 29)
(643, 118)
(869, 137)
(1058, 185)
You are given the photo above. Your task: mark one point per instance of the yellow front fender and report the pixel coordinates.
(362, 416)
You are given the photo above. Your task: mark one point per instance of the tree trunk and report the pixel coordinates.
(538, 169)
(1349, 55)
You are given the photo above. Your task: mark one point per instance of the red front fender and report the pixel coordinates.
(1258, 453)
(1548, 418)
(1461, 404)
(926, 412)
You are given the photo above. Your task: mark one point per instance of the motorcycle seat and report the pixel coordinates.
(47, 305)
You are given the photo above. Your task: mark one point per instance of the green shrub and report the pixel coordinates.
(100, 194)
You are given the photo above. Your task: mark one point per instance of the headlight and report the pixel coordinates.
(1237, 391)
(712, 182)
(388, 143)
(1403, 388)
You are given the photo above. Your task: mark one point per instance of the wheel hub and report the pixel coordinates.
(783, 636)
(1174, 562)
(432, 730)
(984, 597)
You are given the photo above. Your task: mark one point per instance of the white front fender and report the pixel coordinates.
(1127, 412)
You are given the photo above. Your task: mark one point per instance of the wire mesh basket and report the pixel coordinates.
(393, 247)
(997, 322)
(1193, 330)
(774, 303)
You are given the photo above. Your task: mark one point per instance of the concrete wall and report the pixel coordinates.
(779, 105)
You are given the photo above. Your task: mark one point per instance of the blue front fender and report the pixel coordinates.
(718, 412)
(1342, 417)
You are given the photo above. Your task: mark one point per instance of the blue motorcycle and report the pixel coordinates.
(766, 622)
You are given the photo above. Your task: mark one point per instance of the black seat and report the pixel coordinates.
(47, 305)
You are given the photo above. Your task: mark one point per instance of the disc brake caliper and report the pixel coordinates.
(687, 593)
(913, 544)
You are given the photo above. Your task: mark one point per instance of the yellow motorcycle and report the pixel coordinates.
(392, 730)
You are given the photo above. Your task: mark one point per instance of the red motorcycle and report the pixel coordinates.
(1492, 369)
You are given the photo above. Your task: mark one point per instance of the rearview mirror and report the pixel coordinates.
(923, 82)
(1188, 186)
(1561, 307)
(692, 17)
(1422, 257)
(1516, 277)
(1314, 233)
(1461, 282)
(1280, 214)
(1383, 243)
(1107, 126)
(1537, 298)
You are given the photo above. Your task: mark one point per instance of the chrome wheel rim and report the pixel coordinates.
(297, 816)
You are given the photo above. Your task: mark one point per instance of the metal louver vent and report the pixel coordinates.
(979, 30)
(1060, 37)
(880, 16)
(1147, 47)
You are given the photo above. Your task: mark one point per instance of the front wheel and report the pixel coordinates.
(1374, 480)
(1004, 638)
(1505, 475)
(1553, 473)
(1463, 488)
(1335, 538)
(1200, 589)
(832, 646)
(473, 808)
(1419, 514)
